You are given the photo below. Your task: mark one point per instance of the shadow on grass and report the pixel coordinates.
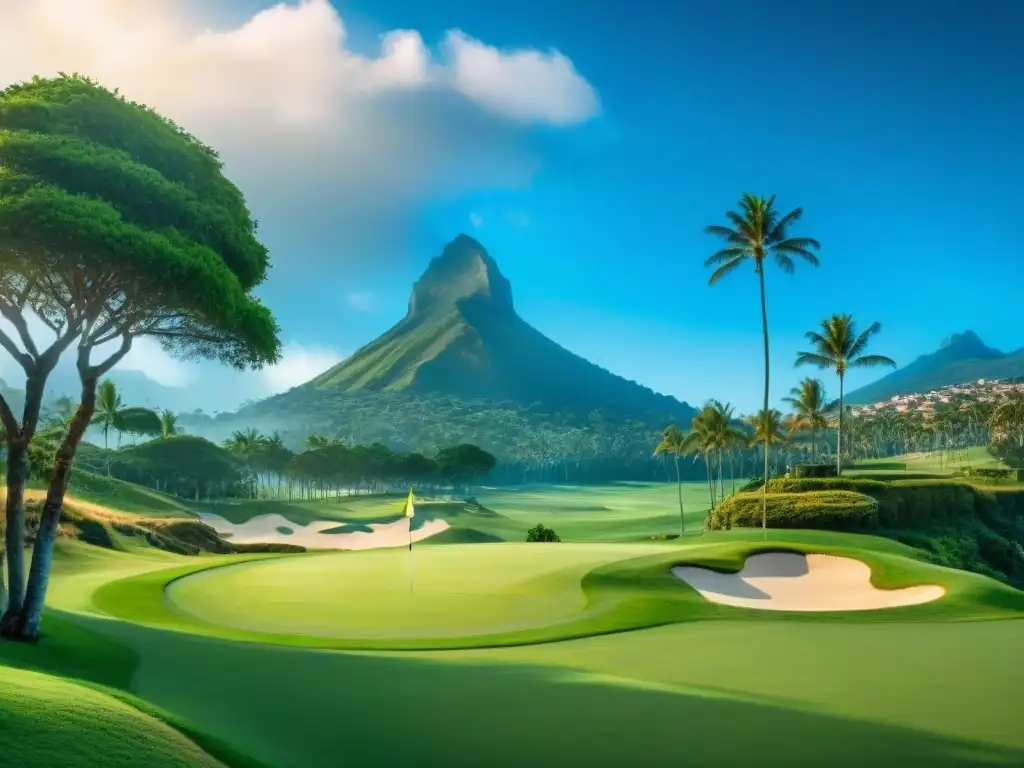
(301, 708)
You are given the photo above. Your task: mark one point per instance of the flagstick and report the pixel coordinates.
(410, 554)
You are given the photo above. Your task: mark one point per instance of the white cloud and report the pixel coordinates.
(526, 84)
(298, 365)
(147, 357)
(476, 220)
(335, 151)
(361, 301)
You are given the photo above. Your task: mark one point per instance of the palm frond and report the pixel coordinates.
(872, 361)
(726, 254)
(812, 358)
(724, 270)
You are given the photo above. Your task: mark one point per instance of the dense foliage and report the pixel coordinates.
(542, 533)
(829, 510)
(114, 224)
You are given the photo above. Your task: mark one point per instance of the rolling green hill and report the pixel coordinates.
(961, 359)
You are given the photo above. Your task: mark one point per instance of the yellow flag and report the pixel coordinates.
(410, 510)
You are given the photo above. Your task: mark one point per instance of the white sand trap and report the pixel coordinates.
(778, 581)
(263, 529)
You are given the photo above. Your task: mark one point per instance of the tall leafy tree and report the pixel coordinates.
(673, 443)
(840, 347)
(115, 223)
(112, 414)
(810, 410)
(724, 434)
(702, 439)
(756, 234)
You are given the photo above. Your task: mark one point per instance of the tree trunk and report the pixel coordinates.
(814, 455)
(679, 489)
(767, 379)
(17, 477)
(711, 486)
(27, 624)
(839, 432)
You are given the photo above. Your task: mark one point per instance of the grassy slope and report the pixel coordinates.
(87, 488)
(48, 720)
(740, 689)
(745, 688)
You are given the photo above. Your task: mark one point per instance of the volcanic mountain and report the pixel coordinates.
(962, 358)
(461, 337)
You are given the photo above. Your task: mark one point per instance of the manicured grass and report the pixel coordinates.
(934, 684)
(48, 720)
(717, 693)
(977, 457)
(456, 591)
(361, 600)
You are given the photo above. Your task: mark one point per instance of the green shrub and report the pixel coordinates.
(752, 485)
(814, 470)
(540, 533)
(830, 510)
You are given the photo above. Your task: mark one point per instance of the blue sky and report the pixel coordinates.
(896, 126)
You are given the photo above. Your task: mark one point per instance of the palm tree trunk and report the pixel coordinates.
(711, 487)
(106, 448)
(679, 489)
(767, 379)
(814, 457)
(839, 433)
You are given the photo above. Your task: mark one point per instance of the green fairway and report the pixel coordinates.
(235, 650)
(975, 457)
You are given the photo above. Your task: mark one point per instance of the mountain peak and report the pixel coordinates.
(464, 270)
(966, 343)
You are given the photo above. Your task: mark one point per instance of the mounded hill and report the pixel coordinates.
(462, 337)
(462, 366)
(962, 358)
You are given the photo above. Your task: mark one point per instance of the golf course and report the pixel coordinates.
(478, 646)
(291, 480)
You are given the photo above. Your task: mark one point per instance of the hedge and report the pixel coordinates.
(828, 510)
(922, 503)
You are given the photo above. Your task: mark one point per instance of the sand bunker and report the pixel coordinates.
(276, 529)
(780, 581)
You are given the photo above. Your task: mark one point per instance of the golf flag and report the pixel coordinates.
(410, 513)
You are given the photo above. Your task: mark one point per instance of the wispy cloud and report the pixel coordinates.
(361, 301)
(298, 365)
(476, 220)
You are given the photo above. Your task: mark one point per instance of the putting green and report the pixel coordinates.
(470, 589)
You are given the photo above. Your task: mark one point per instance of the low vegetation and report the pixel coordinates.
(954, 522)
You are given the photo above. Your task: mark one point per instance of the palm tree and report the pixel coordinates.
(810, 410)
(702, 438)
(840, 347)
(246, 445)
(768, 426)
(169, 424)
(724, 435)
(313, 442)
(673, 442)
(111, 413)
(758, 233)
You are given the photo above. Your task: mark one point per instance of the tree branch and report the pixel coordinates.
(16, 318)
(85, 369)
(24, 360)
(8, 419)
